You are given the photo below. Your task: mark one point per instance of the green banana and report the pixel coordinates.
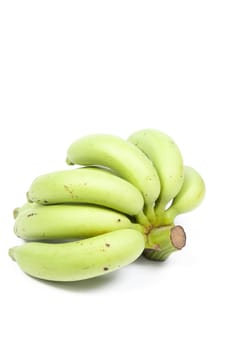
(64, 222)
(24, 207)
(167, 160)
(124, 158)
(97, 218)
(190, 196)
(74, 261)
(87, 185)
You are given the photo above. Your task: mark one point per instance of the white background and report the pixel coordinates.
(70, 68)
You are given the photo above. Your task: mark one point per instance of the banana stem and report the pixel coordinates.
(159, 207)
(149, 212)
(138, 227)
(159, 211)
(170, 214)
(163, 241)
(164, 218)
(143, 220)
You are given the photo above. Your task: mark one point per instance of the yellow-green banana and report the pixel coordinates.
(67, 221)
(79, 260)
(24, 207)
(190, 196)
(124, 158)
(167, 160)
(87, 185)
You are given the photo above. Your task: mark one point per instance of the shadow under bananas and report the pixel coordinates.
(88, 285)
(100, 283)
(106, 281)
(155, 265)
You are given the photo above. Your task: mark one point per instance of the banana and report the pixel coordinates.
(87, 185)
(65, 222)
(190, 196)
(24, 207)
(74, 261)
(124, 158)
(167, 160)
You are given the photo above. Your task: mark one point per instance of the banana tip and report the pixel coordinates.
(178, 237)
(28, 197)
(68, 161)
(11, 253)
(15, 213)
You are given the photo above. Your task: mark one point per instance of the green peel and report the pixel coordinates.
(163, 241)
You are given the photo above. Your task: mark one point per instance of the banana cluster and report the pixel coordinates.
(119, 202)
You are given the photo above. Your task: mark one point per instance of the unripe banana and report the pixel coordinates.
(79, 260)
(24, 207)
(121, 156)
(167, 160)
(87, 185)
(190, 196)
(65, 222)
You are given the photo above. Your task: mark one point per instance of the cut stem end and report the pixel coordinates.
(178, 237)
(163, 241)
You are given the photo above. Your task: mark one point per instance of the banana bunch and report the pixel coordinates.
(120, 202)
